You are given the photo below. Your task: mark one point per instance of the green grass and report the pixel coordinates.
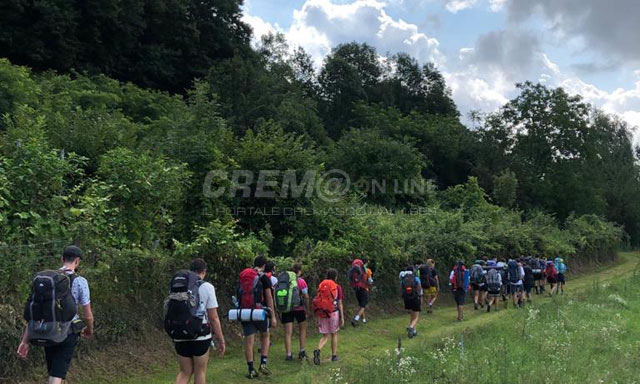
(590, 333)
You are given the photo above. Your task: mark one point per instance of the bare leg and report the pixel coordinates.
(200, 368)
(288, 333)
(323, 341)
(334, 344)
(265, 343)
(186, 370)
(414, 319)
(55, 380)
(248, 347)
(303, 335)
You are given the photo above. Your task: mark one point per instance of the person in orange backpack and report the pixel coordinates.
(361, 280)
(329, 312)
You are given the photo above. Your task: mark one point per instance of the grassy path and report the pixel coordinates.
(360, 344)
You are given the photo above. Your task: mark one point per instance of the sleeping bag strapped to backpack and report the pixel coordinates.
(409, 287)
(514, 274)
(324, 304)
(493, 280)
(288, 295)
(357, 274)
(425, 273)
(250, 291)
(50, 308)
(477, 274)
(181, 320)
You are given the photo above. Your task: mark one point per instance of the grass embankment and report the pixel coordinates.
(586, 336)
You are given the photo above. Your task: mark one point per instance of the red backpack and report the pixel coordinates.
(457, 280)
(250, 290)
(357, 274)
(551, 271)
(324, 304)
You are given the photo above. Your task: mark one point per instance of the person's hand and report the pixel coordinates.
(342, 322)
(274, 322)
(86, 333)
(23, 350)
(221, 347)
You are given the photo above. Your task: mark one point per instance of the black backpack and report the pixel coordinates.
(427, 280)
(50, 308)
(513, 272)
(181, 321)
(409, 287)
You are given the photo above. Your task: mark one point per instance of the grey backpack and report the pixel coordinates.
(50, 308)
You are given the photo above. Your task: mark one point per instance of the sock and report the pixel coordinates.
(357, 318)
(301, 350)
(364, 320)
(250, 366)
(263, 360)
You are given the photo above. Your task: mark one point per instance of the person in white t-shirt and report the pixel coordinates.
(193, 355)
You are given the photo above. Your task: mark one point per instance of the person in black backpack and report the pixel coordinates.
(411, 287)
(70, 291)
(193, 352)
(430, 282)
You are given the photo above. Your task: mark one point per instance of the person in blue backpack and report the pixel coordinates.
(562, 269)
(459, 278)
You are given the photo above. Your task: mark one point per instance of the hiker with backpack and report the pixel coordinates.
(502, 269)
(430, 282)
(361, 281)
(562, 270)
(528, 281)
(538, 268)
(551, 273)
(52, 314)
(494, 284)
(191, 314)
(459, 279)
(292, 301)
(329, 314)
(478, 286)
(411, 288)
(255, 293)
(515, 275)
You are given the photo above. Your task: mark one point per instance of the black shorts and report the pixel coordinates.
(252, 327)
(459, 295)
(515, 288)
(481, 288)
(551, 280)
(413, 304)
(527, 288)
(299, 316)
(362, 295)
(192, 348)
(537, 276)
(561, 278)
(59, 356)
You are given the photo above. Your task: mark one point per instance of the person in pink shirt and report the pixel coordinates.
(299, 314)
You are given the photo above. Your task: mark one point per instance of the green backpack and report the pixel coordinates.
(287, 292)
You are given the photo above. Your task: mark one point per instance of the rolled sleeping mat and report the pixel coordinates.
(247, 314)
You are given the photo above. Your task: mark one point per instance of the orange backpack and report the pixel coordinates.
(324, 304)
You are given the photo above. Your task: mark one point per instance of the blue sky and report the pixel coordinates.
(483, 47)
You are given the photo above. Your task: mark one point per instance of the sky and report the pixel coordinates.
(483, 47)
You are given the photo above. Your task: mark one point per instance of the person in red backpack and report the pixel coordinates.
(361, 280)
(327, 306)
(255, 292)
(459, 279)
(551, 273)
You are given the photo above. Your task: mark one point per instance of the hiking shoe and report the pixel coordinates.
(288, 358)
(410, 332)
(354, 322)
(334, 358)
(475, 307)
(302, 355)
(430, 308)
(253, 374)
(264, 370)
(415, 333)
(364, 321)
(488, 308)
(316, 357)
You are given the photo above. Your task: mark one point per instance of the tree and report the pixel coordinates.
(505, 188)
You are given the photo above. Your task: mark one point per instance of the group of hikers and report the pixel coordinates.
(191, 309)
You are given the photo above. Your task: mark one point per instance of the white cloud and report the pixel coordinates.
(497, 5)
(455, 6)
(320, 25)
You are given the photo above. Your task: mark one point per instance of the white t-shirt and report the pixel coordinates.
(208, 300)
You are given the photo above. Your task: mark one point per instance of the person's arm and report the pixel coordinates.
(269, 297)
(437, 283)
(23, 348)
(341, 310)
(87, 317)
(214, 322)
